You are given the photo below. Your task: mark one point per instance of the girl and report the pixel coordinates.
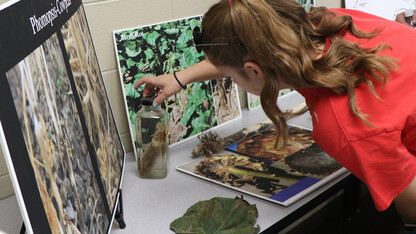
(355, 71)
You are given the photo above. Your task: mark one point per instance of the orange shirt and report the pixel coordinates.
(383, 157)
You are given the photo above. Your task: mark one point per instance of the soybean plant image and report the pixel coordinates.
(161, 49)
(55, 142)
(95, 105)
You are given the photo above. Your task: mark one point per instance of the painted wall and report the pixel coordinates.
(106, 16)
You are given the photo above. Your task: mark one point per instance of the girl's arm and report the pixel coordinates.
(167, 83)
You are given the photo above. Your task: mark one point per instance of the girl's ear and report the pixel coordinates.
(252, 69)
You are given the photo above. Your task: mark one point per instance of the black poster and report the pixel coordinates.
(59, 133)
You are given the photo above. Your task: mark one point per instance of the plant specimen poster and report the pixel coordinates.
(164, 48)
(59, 136)
(254, 166)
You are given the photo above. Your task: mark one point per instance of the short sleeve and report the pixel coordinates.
(382, 162)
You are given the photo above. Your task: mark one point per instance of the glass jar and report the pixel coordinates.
(152, 138)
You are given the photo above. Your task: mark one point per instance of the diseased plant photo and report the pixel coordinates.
(162, 49)
(95, 105)
(191, 111)
(55, 142)
(262, 145)
(226, 102)
(311, 160)
(241, 171)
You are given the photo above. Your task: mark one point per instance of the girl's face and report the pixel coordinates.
(248, 80)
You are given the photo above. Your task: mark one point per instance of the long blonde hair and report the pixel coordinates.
(280, 35)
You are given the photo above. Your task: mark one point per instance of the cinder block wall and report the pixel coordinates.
(106, 16)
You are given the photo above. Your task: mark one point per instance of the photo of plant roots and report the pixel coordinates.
(56, 143)
(165, 48)
(95, 105)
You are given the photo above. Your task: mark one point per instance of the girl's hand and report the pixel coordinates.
(165, 84)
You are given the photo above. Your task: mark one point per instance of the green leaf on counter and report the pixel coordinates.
(218, 216)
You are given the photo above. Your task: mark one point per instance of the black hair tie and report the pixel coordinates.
(183, 86)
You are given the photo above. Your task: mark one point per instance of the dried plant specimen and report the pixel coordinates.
(210, 143)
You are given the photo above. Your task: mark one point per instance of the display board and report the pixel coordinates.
(384, 8)
(254, 166)
(59, 136)
(164, 48)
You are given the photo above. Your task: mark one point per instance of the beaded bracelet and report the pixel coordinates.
(183, 86)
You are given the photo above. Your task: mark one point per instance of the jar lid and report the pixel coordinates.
(148, 101)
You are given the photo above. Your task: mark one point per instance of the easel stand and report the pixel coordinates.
(23, 229)
(118, 216)
(119, 212)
